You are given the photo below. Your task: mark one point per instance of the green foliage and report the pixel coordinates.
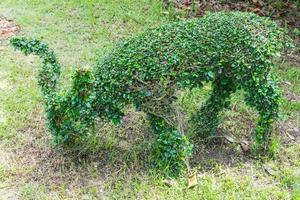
(233, 50)
(70, 114)
(172, 148)
(209, 113)
(273, 147)
(50, 71)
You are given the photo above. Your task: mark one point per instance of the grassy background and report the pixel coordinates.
(80, 32)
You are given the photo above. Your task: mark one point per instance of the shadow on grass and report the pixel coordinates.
(124, 151)
(113, 151)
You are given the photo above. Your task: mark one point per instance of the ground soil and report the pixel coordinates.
(8, 28)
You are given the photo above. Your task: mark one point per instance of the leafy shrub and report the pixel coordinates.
(70, 114)
(233, 50)
(171, 149)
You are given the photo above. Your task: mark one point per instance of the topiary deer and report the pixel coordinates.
(232, 50)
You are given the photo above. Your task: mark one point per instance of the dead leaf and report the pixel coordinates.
(256, 10)
(192, 180)
(7, 28)
(290, 136)
(229, 138)
(269, 170)
(244, 145)
(291, 6)
(287, 82)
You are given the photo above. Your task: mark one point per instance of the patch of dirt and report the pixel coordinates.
(5, 157)
(289, 129)
(50, 166)
(9, 193)
(8, 28)
(291, 96)
(222, 153)
(285, 11)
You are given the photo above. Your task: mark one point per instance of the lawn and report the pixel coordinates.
(118, 167)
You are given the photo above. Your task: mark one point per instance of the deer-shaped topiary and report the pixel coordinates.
(232, 50)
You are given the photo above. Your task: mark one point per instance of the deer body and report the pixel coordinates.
(232, 50)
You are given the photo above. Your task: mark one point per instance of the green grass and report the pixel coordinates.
(119, 167)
